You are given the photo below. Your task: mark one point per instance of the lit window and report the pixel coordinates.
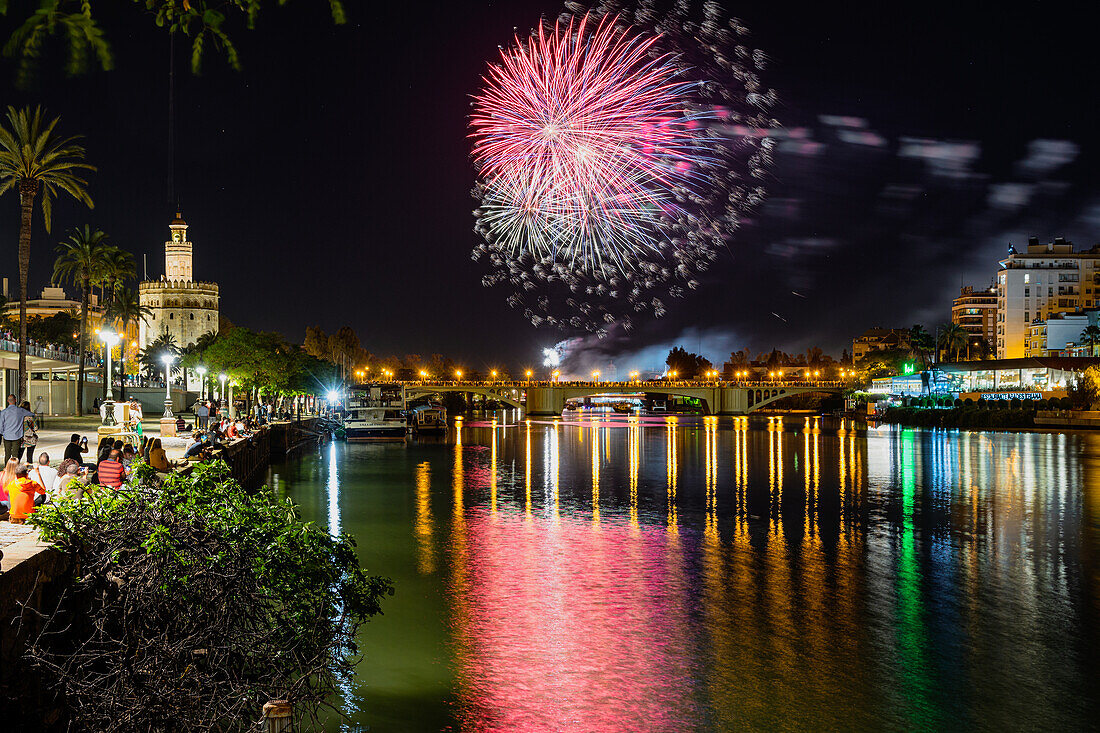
(1027, 277)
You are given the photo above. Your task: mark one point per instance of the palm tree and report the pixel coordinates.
(151, 359)
(119, 269)
(953, 337)
(34, 159)
(1091, 337)
(79, 262)
(921, 342)
(125, 309)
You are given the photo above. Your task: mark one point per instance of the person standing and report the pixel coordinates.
(30, 432)
(202, 412)
(11, 428)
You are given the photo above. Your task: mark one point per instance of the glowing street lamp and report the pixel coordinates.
(109, 339)
(458, 374)
(555, 374)
(493, 373)
(634, 376)
(528, 373)
(596, 375)
(423, 375)
(201, 371)
(221, 378)
(168, 359)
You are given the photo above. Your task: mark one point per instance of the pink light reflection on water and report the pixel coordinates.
(568, 626)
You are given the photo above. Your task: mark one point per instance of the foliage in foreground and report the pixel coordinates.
(195, 602)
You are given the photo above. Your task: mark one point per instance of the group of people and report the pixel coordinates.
(25, 485)
(19, 428)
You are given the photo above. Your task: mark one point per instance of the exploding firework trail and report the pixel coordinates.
(608, 174)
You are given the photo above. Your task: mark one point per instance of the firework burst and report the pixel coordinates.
(604, 178)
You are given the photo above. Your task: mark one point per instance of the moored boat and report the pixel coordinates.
(376, 412)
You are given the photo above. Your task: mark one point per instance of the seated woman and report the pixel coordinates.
(158, 459)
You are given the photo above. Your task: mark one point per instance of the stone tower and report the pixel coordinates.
(177, 252)
(179, 305)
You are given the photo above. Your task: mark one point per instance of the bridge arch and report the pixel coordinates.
(503, 394)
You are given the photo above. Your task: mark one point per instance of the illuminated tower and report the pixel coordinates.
(177, 252)
(178, 305)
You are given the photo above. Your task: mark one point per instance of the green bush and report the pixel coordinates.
(197, 602)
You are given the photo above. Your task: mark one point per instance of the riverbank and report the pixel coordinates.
(959, 417)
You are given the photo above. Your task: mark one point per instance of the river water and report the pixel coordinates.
(663, 574)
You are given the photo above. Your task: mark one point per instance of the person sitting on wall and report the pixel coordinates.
(195, 449)
(110, 470)
(23, 493)
(158, 459)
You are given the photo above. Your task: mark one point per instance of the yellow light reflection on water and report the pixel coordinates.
(527, 470)
(596, 474)
(670, 470)
(425, 552)
(633, 438)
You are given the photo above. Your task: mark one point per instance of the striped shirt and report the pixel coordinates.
(109, 473)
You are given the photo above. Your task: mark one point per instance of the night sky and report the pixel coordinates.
(329, 182)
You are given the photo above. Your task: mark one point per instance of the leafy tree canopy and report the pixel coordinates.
(196, 603)
(76, 22)
(687, 365)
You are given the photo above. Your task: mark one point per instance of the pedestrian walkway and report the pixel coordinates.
(55, 434)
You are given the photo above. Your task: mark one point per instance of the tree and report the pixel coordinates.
(922, 344)
(203, 21)
(687, 365)
(125, 309)
(33, 160)
(196, 603)
(954, 338)
(1091, 337)
(57, 329)
(78, 262)
(152, 357)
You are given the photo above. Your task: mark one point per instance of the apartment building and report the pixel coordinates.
(1045, 279)
(976, 312)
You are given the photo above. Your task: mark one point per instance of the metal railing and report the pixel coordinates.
(46, 352)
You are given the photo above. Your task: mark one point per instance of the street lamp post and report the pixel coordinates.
(201, 370)
(168, 359)
(221, 394)
(109, 339)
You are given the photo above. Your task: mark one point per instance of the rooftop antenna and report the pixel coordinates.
(145, 265)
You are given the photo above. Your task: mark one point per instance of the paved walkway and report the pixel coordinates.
(54, 436)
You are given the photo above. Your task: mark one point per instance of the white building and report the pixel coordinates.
(181, 306)
(1047, 279)
(1050, 337)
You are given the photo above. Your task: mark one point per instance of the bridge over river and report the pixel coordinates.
(549, 398)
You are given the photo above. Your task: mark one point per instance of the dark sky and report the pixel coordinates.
(328, 183)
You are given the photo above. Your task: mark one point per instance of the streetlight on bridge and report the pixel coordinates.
(528, 373)
(458, 374)
(596, 375)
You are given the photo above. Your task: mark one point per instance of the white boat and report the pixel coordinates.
(428, 419)
(376, 412)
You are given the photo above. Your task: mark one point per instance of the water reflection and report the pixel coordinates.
(643, 573)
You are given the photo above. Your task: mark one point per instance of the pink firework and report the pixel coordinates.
(584, 144)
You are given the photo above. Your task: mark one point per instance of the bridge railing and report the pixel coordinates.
(639, 385)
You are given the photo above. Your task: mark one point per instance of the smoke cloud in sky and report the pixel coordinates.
(861, 229)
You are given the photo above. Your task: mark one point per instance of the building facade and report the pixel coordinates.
(880, 339)
(976, 312)
(1046, 279)
(181, 306)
